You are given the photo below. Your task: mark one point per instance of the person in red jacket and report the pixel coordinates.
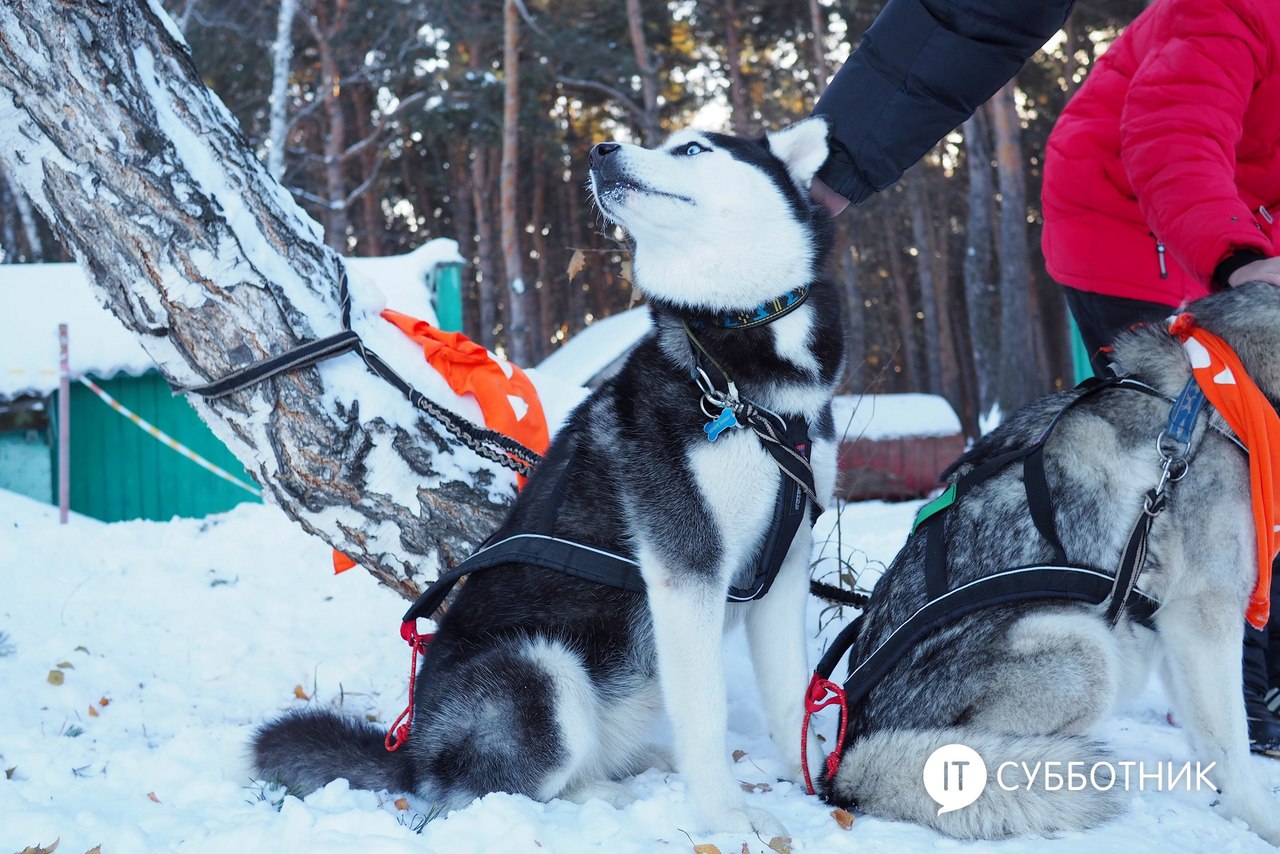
(1160, 182)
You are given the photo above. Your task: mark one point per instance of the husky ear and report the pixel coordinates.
(802, 147)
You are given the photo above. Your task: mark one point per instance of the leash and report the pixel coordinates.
(739, 413)
(489, 444)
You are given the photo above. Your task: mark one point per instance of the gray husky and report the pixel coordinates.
(1025, 682)
(544, 684)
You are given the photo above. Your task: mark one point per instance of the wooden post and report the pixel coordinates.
(64, 427)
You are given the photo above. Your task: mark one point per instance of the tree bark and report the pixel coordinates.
(929, 306)
(336, 222)
(143, 173)
(817, 42)
(508, 186)
(733, 59)
(649, 128)
(1020, 376)
(281, 60)
(979, 286)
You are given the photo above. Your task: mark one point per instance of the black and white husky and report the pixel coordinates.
(544, 684)
(1025, 682)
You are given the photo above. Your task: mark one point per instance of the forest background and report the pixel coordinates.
(397, 121)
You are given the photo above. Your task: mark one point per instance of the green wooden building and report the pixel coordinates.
(119, 471)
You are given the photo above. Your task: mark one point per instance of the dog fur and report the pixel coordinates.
(1026, 682)
(543, 684)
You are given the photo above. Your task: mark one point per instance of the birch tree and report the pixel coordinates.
(143, 174)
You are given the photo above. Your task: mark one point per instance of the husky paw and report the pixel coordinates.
(747, 820)
(1259, 821)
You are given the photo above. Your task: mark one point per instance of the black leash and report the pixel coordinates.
(491, 445)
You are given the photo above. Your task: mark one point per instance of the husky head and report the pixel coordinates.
(717, 222)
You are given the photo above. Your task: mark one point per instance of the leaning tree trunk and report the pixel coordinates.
(143, 173)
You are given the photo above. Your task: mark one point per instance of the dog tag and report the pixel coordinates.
(722, 422)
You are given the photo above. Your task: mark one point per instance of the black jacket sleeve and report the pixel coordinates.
(921, 70)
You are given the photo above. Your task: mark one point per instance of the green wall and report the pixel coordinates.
(119, 471)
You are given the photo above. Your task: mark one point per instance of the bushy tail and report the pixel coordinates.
(883, 774)
(305, 750)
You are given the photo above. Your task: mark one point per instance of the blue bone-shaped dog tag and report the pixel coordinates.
(722, 422)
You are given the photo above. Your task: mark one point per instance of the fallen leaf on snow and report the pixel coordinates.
(81, 649)
(738, 754)
(8, 772)
(300, 693)
(104, 702)
(56, 677)
(152, 796)
(402, 803)
(843, 818)
(97, 849)
(746, 849)
(65, 665)
(755, 787)
(93, 713)
(705, 848)
(781, 844)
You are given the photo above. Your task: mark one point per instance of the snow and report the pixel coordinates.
(597, 346)
(35, 298)
(893, 416)
(197, 630)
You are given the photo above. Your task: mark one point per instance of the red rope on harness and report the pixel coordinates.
(822, 693)
(399, 732)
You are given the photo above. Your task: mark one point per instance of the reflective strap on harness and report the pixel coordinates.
(581, 561)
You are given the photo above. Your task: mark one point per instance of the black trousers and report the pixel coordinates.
(1100, 319)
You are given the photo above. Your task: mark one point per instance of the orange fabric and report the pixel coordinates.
(1248, 413)
(470, 369)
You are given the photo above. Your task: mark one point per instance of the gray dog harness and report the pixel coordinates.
(1058, 579)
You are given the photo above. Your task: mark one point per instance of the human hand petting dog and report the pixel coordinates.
(1263, 270)
(827, 197)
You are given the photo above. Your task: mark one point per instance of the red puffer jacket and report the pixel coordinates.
(1168, 158)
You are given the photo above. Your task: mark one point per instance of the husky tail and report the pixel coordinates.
(305, 750)
(883, 775)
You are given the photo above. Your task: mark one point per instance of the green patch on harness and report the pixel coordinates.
(934, 507)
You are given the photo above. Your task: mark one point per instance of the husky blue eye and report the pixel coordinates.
(691, 148)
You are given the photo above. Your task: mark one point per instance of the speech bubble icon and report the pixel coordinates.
(954, 776)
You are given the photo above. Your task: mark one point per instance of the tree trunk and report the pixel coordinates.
(9, 253)
(929, 306)
(1020, 376)
(30, 228)
(509, 185)
(648, 76)
(733, 59)
(143, 173)
(281, 60)
(487, 279)
(979, 286)
(817, 41)
(335, 136)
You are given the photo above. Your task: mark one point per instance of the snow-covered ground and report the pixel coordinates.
(171, 641)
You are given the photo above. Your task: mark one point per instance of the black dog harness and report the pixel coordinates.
(786, 439)
(1055, 580)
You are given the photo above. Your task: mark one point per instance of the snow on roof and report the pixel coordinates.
(35, 298)
(892, 416)
(596, 347)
